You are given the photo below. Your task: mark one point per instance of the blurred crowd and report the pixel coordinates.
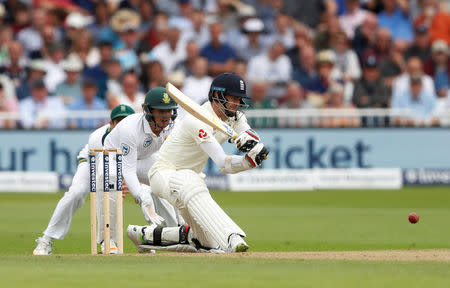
(59, 56)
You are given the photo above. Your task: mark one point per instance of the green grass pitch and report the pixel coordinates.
(273, 221)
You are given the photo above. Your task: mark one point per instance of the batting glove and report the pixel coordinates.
(257, 155)
(247, 140)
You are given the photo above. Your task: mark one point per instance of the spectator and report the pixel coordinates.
(6, 36)
(252, 44)
(192, 53)
(284, 32)
(436, 18)
(183, 20)
(76, 23)
(393, 18)
(220, 55)
(259, 100)
(305, 71)
(99, 72)
(70, 89)
(273, 67)
(197, 85)
(293, 99)
(126, 22)
(38, 111)
(7, 105)
(100, 28)
(83, 49)
(158, 32)
(14, 66)
(325, 31)
(240, 68)
(171, 51)
(353, 18)
(308, 12)
(382, 47)
(303, 37)
(438, 67)
(335, 100)
(319, 85)
(365, 35)
(87, 102)
(130, 95)
(155, 75)
(421, 45)
(346, 59)
(146, 11)
(36, 70)
(414, 68)
(419, 101)
(370, 91)
(200, 31)
(393, 66)
(114, 71)
(30, 37)
(55, 72)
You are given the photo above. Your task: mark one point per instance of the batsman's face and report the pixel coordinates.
(162, 117)
(233, 102)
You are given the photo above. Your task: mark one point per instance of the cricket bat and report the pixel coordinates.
(199, 112)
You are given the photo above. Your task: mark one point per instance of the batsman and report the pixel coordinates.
(177, 174)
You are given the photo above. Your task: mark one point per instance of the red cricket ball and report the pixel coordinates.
(413, 218)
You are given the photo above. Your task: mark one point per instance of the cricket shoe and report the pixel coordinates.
(44, 247)
(237, 244)
(112, 247)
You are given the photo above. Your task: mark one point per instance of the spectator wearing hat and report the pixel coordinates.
(30, 37)
(438, 67)
(352, 18)
(325, 61)
(421, 45)
(89, 101)
(252, 44)
(272, 67)
(393, 18)
(130, 94)
(7, 105)
(75, 23)
(70, 88)
(220, 55)
(36, 70)
(419, 102)
(369, 91)
(36, 110)
(171, 51)
(54, 63)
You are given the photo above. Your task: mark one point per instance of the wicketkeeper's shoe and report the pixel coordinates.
(136, 234)
(112, 247)
(44, 247)
(237, 244)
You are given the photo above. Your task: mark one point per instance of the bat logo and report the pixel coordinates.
(202, 133)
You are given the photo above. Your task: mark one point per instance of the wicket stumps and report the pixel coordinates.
(106, 190)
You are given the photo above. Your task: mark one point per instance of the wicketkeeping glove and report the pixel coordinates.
(247, 140)
(257, 155)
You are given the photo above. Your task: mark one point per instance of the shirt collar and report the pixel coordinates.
(147, 129)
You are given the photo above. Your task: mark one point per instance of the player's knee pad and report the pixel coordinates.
(185, 184)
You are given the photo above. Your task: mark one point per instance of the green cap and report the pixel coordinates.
(121, 111)
(158, 98)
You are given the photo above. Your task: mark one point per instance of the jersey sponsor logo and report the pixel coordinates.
(125, 149)
(166, 98)
(147, 142)
(202, 133)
